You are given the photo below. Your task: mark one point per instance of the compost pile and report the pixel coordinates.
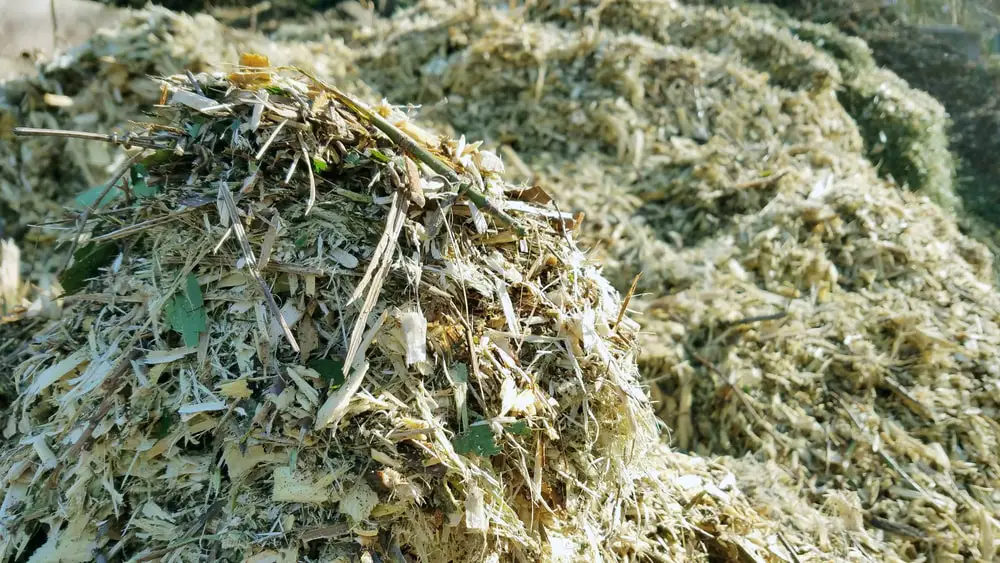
(798, 305)
(302, 327)
(904, 128)
(99, 87)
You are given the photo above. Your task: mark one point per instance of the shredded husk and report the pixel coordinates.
(798, 306)
(493, 409)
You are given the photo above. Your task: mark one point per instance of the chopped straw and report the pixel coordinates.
(182, 407)
(791, 292)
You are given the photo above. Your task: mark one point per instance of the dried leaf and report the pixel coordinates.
(237, 389)
(358, 502)
(475, 510)
(291, 486)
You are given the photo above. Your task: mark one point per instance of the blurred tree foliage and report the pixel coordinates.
(277, 9)
(904, 37)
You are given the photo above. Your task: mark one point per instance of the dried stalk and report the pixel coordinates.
(375, 274)
(126, 141)
(251, 262)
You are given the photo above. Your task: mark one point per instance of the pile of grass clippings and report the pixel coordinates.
(304, 328)
(904, 128)
(966, 89)
(101, 86)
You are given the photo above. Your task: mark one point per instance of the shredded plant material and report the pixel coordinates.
(797, 307)
(100, 86)
(293, 334)
(965, 89)
(821, 343)
(904, 128)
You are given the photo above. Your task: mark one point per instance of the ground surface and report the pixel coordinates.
(27, 27)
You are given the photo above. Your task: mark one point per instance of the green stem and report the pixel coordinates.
(413, 148)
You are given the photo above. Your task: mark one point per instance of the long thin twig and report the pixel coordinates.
(757, 319)
(126, 140)
(270, 139)
(143, 226)
(761, 182)
(55, 25)
(895, 527)
(626, 301)
(791, 551)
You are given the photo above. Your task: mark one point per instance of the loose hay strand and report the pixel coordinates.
(236, 223)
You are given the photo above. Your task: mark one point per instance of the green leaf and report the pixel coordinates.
(300, 242)
(139, 185)
(379, 156)
(319, 165)
(332, 371)
(275, 90)
(222, 126)
(460, 373)
(193, 129)
(162, 428)
(86, 262)
(520, 428)
(186, 312)
(89, 197)
(158, 157)
(352, 159)
(478, 440)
